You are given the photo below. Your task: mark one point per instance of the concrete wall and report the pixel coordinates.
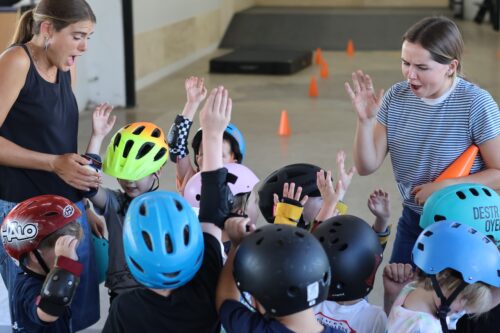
(354, 3)
(169, 35)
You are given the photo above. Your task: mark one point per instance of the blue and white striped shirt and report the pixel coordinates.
(423, 140)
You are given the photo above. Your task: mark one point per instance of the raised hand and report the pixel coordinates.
(379, 204)
(363, 96)
(216, 113)
(343, 176)
(102, 121)
(290, 193)
(195, 89)
(238, 228)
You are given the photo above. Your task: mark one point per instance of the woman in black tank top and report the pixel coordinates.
(39, 128)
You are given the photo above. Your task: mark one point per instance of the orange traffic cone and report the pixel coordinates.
(324, 70)
(461, 166)
(350, 48)
(313, 88)
(284, 129)
(318, 57)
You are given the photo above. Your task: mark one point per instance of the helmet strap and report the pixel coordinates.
(444, 308)
(41, 262)
(156, 183)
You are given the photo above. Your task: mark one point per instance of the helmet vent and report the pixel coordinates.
(171, 275)
(487, 192)
(343, 247)
(300, 234)
(156, 133)
(170, 283)
(486, 240)
(178, 205)
(326, 277)
(337, 224)
(474, 192)
(127, 126)
(159, 155)
(438, 218)
(186, 235)
(136, 265)
(461, 195)
(332, 230)
(322, 239)
(49, 214)
(144, 150)
(335, 241)
(128, 147)
(142, 210)
(279, 229)
(138, 130)
(293, 291)
(168, 244)
(116, 142)
(198, 197)
(420, 246)
(472, 231)
(147, 240)
(455, 225)
(428, 233)
(259, 241)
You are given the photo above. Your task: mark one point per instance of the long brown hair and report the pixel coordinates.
(60, 13)
(440, 36)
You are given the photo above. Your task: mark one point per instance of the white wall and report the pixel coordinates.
(101, 71)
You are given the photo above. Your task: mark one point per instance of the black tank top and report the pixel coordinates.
(44, 118)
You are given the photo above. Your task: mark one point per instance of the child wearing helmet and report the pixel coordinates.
(355, 253)
(135, 156)
(457, 268)
(286, 271)
(233, 147)
(41, 234)
(168, 253)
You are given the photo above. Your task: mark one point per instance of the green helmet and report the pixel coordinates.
(136, 151)
(475, 205)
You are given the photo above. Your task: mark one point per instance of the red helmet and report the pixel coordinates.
(30, 221)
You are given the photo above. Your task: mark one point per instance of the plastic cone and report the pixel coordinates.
(324, 70)
(313, 88)
(350, 48)
(284, 129)
(318, 57)
(461, 166)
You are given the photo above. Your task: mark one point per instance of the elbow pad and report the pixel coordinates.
(288, 212)
(60, 286)
(177, 138)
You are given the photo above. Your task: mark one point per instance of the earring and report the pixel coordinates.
(46, 43)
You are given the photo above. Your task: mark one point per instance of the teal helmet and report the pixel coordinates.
(473, 204)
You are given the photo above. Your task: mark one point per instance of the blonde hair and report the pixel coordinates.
(73, 229)
(477, 296)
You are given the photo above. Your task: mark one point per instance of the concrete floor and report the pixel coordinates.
(320, 126)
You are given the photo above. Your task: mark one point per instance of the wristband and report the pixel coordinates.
(288, 213)
(177, 138)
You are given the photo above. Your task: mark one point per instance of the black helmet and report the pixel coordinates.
(301, 174)
(354, 252)
(284, 268)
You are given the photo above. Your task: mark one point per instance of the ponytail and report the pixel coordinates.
(24, 29)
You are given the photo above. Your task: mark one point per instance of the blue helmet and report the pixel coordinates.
(459, 247)
(473, 204)
(162, 239)
(233, 135)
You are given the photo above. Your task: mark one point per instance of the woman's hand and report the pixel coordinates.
(71, 168)
(363, 96)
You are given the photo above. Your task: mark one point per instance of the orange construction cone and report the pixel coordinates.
(318, 57)
(324, 70)
(350, 48)
(313, 88)
(461, 166)
(284, 129)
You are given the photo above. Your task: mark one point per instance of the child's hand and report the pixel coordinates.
(396, 276)
(238, 228)
(329, 195)
(66, 246)
(379, 204)
(195, 90)
(343, 176)
(102, 123)
(216, 113)
(289, 192)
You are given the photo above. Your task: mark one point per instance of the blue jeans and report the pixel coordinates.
(406, 236)
(85, 305)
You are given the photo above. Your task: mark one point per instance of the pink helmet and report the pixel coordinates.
(240, 180)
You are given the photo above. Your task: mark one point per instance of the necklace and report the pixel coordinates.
(51, 77)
